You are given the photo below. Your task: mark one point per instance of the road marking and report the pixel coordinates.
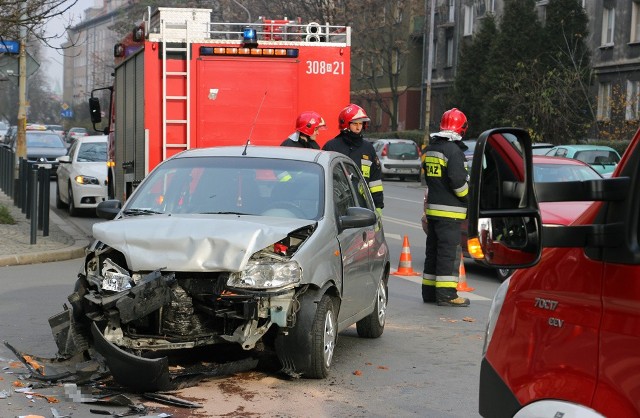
(394, 236)
(404, 200)
(415, 225)
(418, 280)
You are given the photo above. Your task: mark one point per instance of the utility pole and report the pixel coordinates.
(427, 99)
(21, 145)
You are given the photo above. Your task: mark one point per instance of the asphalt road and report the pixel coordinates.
(426, 364)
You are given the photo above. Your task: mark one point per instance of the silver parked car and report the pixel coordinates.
(398, 158)
(264, 247)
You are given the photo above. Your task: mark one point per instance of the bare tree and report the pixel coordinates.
(32, 15)
(380, 53)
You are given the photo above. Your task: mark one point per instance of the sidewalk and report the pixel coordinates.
(64, 241)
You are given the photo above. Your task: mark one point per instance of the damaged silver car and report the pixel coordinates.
(264, 247)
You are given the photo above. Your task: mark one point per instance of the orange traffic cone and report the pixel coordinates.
(404, 267)
(462, 279)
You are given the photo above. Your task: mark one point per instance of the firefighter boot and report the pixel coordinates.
(459, 301)
(428, 293)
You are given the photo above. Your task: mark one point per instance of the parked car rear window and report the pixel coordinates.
(403, 150)
(597, 157)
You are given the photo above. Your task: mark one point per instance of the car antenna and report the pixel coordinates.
(253, 125)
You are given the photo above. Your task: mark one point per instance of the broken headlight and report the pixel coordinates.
(266, 274)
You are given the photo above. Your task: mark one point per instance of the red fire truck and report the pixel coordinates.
(184, 82)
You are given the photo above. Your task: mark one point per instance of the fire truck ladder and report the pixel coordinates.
(186, 98)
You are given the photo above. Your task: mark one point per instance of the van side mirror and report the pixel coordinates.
(504, 217)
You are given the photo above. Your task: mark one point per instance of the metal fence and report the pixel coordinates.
(30, 191)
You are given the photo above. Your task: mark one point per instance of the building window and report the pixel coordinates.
(434, 61)
(635, 22)
(452, 10)
(395, 62)
(397, 13)
(468, 21)
(633, 94)
(490, 6)
(608, 25)
(604, 101)
(542, 10)
(449, 52)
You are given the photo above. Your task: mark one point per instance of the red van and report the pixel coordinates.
(563, 333)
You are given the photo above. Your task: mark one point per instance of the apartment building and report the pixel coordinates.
(614, 27)
(88, 58)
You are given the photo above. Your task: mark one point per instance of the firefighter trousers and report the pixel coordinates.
(442, 260)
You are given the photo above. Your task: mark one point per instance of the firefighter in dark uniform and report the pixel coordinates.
(446, 207)
(307, 126)
(352, 121)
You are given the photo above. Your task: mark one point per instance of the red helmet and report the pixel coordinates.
(352, 113)
(307, 123)
(454, 120)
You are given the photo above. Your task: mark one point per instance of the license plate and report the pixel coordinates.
(44, 165)
(404, 170)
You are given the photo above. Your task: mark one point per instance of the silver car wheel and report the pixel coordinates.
(329, 337)
(382, 303)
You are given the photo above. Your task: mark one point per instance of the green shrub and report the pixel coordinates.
(5, 216)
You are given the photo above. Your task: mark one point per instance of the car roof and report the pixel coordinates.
(581, 147)
(395, 140)
(547, 159)
(255, 151)
(93, 138)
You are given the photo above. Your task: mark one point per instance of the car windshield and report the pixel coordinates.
(92, 152)
(403, 151)
(552, 173)
(44, 140)
(597, 157)
(232, 185)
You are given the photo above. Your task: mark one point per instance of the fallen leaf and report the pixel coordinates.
(368, 364)
(468, 319)
(383, 367)
(357, 373)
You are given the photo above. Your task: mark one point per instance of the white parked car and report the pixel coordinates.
(82, 175)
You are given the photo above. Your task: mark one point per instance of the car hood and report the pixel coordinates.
(562, 213)
(94, 169)
(46, 152)
(193, 242)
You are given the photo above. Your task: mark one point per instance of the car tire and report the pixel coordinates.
(307, 349)
(504, 274)
(73, 211)
(372, 326)
(59, 203)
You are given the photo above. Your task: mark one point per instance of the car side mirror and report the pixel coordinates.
(504, 217)
(357, 217)
(108, 209)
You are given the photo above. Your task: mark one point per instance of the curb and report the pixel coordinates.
(75, 250)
